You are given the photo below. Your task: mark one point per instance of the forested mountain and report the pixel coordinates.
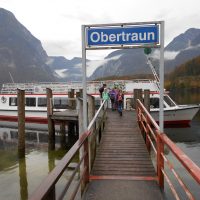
(185, 76)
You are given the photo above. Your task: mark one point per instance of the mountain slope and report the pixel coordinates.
(21, 54)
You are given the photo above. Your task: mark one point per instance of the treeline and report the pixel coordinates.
(127, 77)
(185, 76)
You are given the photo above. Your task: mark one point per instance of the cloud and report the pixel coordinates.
(168, 55)
(94, 64)
(61, 72)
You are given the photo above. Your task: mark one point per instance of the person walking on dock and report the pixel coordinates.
(120, 98)
(113, 95)
(105, 94)
(101, 90)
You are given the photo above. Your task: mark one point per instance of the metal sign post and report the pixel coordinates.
(123, 36)
(84, 80)
(161, 72)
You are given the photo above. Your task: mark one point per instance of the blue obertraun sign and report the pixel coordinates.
(134, 35)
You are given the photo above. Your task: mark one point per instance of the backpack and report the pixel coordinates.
(119, 98)
(101, 89)
(112, 96)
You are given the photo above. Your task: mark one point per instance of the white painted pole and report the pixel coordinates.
(84, 80)
(161, 113)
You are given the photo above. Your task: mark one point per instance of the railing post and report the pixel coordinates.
(148, 145)
(92, 141)
(86, 163)
(160, 160)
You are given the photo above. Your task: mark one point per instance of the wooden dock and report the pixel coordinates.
(122, 167)
(67, 115)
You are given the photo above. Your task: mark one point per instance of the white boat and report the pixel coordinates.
(36, 111)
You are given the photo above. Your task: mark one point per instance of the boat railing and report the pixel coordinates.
(87, 144)
(59, 87)
(158, 142)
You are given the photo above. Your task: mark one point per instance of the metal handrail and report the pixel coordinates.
(152, 133)
(48, 184)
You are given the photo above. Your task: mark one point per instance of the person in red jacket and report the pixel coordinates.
(120, 99)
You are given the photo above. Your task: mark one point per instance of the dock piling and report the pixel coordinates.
(147, 99)
(51, 127)
(21, 122)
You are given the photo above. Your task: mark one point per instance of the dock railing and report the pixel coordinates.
(157, 141)
(47, 189)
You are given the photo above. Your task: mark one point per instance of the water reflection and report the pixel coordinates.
(20, 177)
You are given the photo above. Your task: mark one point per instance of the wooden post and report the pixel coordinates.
(148, 144)
(63, 144)
(51, 127)
(72, 136)
(140, 95)
(147, 99)
(91, 107)
(86, 164)
(78, 94)
(21, 122)
(92, 141)
(72, 103)
(80, 116)
(23, 178)
(51, 195)
(160, 160)
(135, 93)
(81, 93)
(83, 149)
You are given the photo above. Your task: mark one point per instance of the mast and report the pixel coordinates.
(157, 79)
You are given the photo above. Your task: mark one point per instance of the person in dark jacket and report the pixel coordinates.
(113, 96)
(101, 89)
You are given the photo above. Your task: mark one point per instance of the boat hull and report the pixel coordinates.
(182, 115)
(39, 117)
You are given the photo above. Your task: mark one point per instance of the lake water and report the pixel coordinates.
(19, 178)
(188, 139)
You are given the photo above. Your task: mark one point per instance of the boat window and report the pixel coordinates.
(30, 101)
(60, 102)
(168, 100)
(154, 102)
(42, 102)
(13, 101)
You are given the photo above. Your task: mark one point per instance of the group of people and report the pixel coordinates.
(115, 95)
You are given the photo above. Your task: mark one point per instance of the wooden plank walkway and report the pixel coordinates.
(122, 167)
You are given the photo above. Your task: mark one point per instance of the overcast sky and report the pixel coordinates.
(57, 23)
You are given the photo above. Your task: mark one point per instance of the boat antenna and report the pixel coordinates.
(11, 77)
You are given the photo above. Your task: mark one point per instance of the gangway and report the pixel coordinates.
(119, 166)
